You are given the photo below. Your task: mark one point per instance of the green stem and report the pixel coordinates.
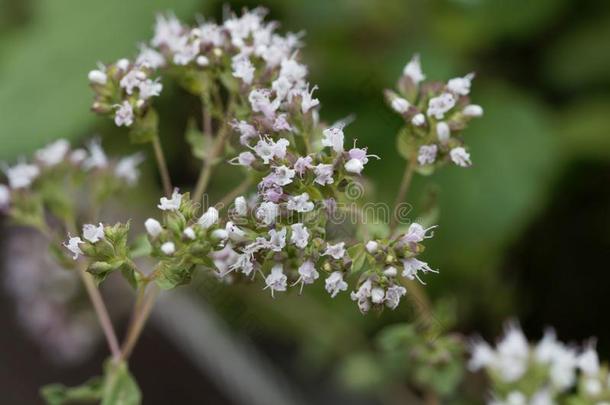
(141, 314)
(405, 184)
(162, 165)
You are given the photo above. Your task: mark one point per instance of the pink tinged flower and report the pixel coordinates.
(240, 206)
(324, 174)
(358, 158)
(22, 175)
(354, 166)
(438, 106)
(153, 227)
(276, 280)
(333, 138)
(132, 80)
(427, 154)
(127, 168)
(260, 101)
(189, 233)
(93, 233)
(293, 70)
(418, 120)
(461, 85)
(168, 31)
(224, 259)
(473, 110)
(416, 233)
(168, 248)
(77, 156)
(209, 218)
(245, 130)
(234, 232)
(267, 212)
(279, 148)
(334, 284)
(5, 197)
(277, 239)
(150, 58)
(72, 246)
(243, 68)
(400, 105)
(282, 87)
(300, 203)
(283, 175)
(123, 115)
(393, 295)
(97, 157)
(54, 153)
(243, 264)
(413, 70)
(265, 149)
(443, 132)
(307, 100)
(412, 266)
(273, 194)
(150, 88)
(336, 251)
(377, 295)
(299, 236)
(170, 204)
(390, 271)
(302, 164)
(245, 159)
(307, 274)
(362, 295)
(460, 157)
(281, 124)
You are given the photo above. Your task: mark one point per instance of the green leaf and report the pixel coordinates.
(145, 128)
(406, 144)
(171, 274)
(200, 142)
(58, 394)
(140, 247)
(120, 388)
(358, 255)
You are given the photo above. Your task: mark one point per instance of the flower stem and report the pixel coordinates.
(101, 312)
(405, 184)
(141, 314)
(162, 165)
(236, 192)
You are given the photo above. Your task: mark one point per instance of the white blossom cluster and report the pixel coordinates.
(435, 113)
(58, 156)
(544, 373)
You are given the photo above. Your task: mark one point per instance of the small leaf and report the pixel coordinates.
(406, 144)
(88, 393)
(145, 128)
(120, 388)
(171, 274)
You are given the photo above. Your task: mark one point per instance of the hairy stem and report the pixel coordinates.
(101, 312)
(162, 165)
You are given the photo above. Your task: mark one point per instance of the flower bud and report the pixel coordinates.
(168, 248)
(189, 233)
(443, 132)
(418, 120)
(97, 77)
(372, 246)
(153, 227)
(209, 218)
(389, 259)
(221, 234)
(473, 110)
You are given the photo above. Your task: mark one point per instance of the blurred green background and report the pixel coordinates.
(523, 233)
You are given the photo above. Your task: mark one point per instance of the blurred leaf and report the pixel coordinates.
(88, 393)
(583, 128)
(120, 388)
(361, 371)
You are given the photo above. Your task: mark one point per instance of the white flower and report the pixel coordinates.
(123, 114)
(307, 100)
(372, 246)
(300, 203)
(302, 164)
(512, 355)
(362, 296)
(54, 153)
(72, 246)
(98, 76)
(427, 154)
(122, 64)
(400, 105)
(243, 68)
(292, 70)
(171, 204)
(77, 156)
(209, 218)
(276, 280)
(277, 239)
(281, 124)
(149, 57)
(390, 271)
(127, 168)
(335, 284)
(235, 233)
(260, 102)
(267, 212)
(168, 248)
(153, 227)
(593, 386)
(220, 234)
(283, 175)
(411, 266)
(281, 86)
(307, 274)
(246, 131)
(438, 106)
(334, 137)
(393, 295)
(243, 263)
(417, 233)
(418, 120)
(150, 88)
(336, 251)
(202, 60)
(97, 158)
(354, 166)
(5, 196)
(168, 31)
(189, 233)
(516, 398)
(22, 175)
(241, 206)
(267, 149)
(245, 159)
(461, 85)
(132, 80)
(93, 233)
(377, 295)
(299, 236)
(324, 174)
(588, 362)
(460, 157)
(413, 70)
(443, 132)
(473, 110)
(481, 355)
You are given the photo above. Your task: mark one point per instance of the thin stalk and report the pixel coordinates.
(101, 312)
(405, 184)
(138, 322)
(231, 195)
(162, 165)
(209, 163)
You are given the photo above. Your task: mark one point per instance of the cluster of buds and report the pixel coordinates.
(435, 113)
(546, 373)
(45, 175)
